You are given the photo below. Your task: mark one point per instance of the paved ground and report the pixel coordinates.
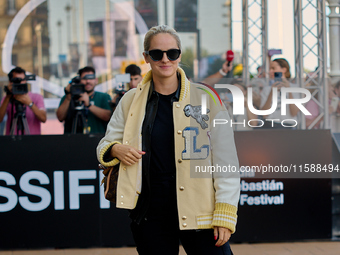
(299, 248)
(52, 126)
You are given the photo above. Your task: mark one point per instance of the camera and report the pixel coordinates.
(77, 88)
(121, 79)
(278, 77)
(120, 90)
(19, 88)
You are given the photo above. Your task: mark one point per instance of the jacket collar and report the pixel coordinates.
(183, 88)
(175, 98)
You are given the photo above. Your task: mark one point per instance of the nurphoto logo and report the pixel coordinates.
(238, 105)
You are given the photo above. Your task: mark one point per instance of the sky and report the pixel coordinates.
(211, 20)
(280, 30)
(214, 35)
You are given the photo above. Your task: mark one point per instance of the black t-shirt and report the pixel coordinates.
(158, 195)
(162, 140)
(162, 161)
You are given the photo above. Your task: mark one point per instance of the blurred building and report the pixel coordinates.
(25, 48)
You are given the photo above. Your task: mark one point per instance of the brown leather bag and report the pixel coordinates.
(110, 181)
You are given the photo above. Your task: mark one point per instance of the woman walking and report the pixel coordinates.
(167, 148)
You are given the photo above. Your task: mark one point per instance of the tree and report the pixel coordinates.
(187, 62)
(215, 66)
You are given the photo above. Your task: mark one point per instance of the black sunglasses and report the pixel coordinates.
(157, 55)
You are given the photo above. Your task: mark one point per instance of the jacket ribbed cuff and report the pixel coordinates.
(225, 216)
(114, 161)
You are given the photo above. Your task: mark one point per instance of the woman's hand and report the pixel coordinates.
(284, 83)
(127, 154)
(222, 234)
(227, 68)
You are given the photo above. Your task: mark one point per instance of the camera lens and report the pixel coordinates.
(19, 89)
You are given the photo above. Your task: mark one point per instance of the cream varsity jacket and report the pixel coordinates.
(207, 170)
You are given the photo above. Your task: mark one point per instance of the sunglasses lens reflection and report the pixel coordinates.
(172, 54)
(156, 55)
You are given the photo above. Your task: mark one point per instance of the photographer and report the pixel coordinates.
(135, 75)
(96, 108)
(32, 104)
(135, 78)
(279, 67)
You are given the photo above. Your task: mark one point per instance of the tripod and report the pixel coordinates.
(19, 122)
(79, 120)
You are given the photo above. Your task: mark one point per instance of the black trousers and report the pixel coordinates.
(162, 237)
(158, 233)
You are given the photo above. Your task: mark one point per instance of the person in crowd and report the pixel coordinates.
(3, 125)
(313, 108)
(135, 78)
(260, 72)
(135, 75)
(334, 108)
(95, 106)
(240, 122)
(224, 72)
(279, 65)
(151, 135)
(31, 104)
(336, 95)
(227, 98)
(313, 121)
(257, 86)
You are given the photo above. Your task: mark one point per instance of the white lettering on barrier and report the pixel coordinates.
(28, 188)
(8, 193)
(59, 201)
(75, 190)
(263, 199)
(265, 185)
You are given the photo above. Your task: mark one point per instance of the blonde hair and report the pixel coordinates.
(161, 29)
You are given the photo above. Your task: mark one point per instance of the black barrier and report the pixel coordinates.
(50, 194)
(64, 207)
(288, 209)
(336, 139)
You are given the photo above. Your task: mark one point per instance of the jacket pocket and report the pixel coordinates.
(204, 221)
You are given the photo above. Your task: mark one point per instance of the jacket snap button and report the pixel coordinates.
(127, 142)
(179, 132)
(121, 203)
(178, 105)
(184, 217)
(181, 188)
(124, 168)
(184, 225)
(179, 161)
(122, 196)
